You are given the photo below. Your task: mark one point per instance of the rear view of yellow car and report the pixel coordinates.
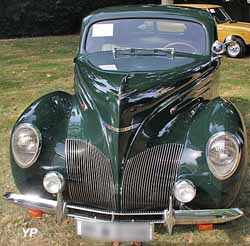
(227, 27)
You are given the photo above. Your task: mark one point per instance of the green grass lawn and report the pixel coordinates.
(30, 68)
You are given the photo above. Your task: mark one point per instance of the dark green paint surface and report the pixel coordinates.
(178, 104)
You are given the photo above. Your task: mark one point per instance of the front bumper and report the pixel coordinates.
(169, 217)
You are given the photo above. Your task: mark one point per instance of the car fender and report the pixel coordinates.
(50, 115)
(219, 115)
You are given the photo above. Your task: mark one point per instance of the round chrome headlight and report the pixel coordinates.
(26, 145)
(53, 182)
(184, 191)
(223, 154)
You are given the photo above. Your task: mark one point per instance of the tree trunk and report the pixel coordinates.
(165, 2)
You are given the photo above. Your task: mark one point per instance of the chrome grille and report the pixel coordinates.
(90, 179)
(149, 177)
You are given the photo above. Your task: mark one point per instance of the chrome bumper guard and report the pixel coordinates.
(169, 217)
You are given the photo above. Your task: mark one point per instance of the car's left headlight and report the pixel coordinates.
(26, 144)
(223, 154)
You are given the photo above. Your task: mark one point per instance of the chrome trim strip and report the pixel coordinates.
(174, 217)
(122, 129)
(97, 211)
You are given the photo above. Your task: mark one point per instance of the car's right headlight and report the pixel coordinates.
(26, 144)
(223, 154)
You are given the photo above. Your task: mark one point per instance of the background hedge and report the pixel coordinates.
(22, 18)
(19, 18)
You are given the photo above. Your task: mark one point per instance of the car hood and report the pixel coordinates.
(124, 96)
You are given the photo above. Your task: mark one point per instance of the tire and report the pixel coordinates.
(237, 49)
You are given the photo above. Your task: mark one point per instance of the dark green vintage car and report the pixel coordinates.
(145, 139)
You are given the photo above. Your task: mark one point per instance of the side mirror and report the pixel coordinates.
(218, 49)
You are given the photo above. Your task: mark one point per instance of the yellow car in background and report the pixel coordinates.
(227, 27)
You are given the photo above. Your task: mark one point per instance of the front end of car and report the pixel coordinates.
(130, 150)
(191, 175)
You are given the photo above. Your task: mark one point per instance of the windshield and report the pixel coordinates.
(220, 15)
(147, 34)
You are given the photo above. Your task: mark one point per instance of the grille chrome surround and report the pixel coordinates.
(149, 178)
(90, 178)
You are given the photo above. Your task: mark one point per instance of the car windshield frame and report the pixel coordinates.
(223, 12)
(84, 39)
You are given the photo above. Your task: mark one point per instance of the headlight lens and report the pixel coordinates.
(223, 155)
(53, 182)
(184, 191)
(26, 145)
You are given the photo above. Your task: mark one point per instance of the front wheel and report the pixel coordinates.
(236, 49)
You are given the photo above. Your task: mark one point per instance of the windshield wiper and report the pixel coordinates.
(168, 52)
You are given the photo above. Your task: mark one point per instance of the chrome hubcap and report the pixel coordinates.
(234, 49)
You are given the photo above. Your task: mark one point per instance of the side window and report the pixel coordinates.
(218, 14)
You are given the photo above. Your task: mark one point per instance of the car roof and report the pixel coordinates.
(146, 8)
(150, 11)
(199, 6)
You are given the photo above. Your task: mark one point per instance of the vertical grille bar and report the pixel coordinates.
(149, 177)
(90, 178)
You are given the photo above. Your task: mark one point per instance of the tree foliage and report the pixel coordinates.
(49, 17)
